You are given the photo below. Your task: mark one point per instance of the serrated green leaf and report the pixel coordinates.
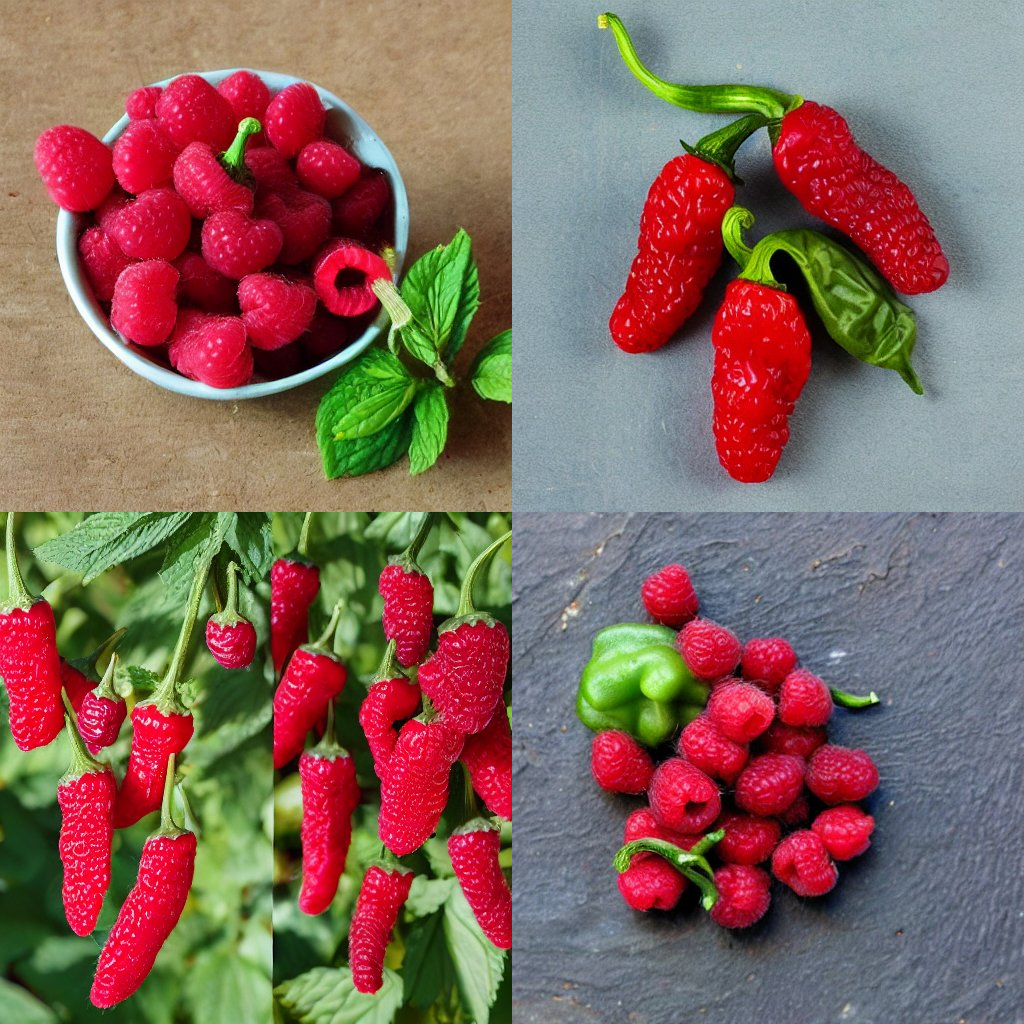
(135, 678)
(201, 541)
(223, 986)
(479, 964)
(381, 405)
(429, 429)
(426, 963)
(492, 369)
(364, 454)
(326, 995)
(428, 895)
(469, 303)
(251, 542)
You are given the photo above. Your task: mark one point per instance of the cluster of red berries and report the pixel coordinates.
(755, 766)
(222, 254)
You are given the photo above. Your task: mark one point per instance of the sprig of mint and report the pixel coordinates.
(382, 407)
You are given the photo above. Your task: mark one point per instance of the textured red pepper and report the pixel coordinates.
(488, 756)
(408, 612)
(293, 586)
(233, 645)
(381, 897)
(474, 857)
(100, 719)
(388, 701)
(76, 684)
(311, 681)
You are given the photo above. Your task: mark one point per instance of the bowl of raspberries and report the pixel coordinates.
(223, 239)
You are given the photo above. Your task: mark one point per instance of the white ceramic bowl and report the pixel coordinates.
(343, 123)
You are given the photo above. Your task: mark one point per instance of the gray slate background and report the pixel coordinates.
(930, 89)
(928, 926)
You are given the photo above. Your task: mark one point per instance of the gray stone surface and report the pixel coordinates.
(927, 927)
(930, 89)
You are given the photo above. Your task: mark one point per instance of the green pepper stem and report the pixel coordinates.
(106, 684)
(737, 220)
(853, 701)
(303, 544)
(17, 593)
(720, 146)
(82, 762)
(386, 669)
(332, 626)
(411, 553)
(704, 99)
(233, 158)
(466, 594)
(690, 864)
(231, 605)
(168, 826)
(165, 692)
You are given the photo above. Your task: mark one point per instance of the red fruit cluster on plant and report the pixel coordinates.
(242, 243)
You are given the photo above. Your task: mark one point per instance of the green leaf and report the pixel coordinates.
(429, 428)
(364, 454)
(371, 393)
(426, 965)
(326, 995)
(223, 986)
(203, 539)
(492, 369)
(249, 538)
(479, 964)
(18, 1005)
(107, 539)
(428, 895)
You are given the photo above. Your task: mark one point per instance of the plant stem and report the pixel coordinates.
(17, 593)
(195, 597)
(466, 594)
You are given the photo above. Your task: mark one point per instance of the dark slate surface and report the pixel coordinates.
(928, 927)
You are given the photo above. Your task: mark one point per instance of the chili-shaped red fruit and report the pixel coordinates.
(387, 701)
(102, 712)
(381, 897)
(488, 756)
(408, 612)
(293, 588)
(474, 850)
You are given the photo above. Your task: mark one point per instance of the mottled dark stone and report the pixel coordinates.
(927, 927)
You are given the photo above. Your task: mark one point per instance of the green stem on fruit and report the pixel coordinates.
(168, 827)
(82, 762)
(466, 594)
(233, 158)
(326, 639)
(386, 669)
(853, 701)
(164, 695)
(391, 299)
(106, 684)
(303, 545)
(231, 605)
(691, 865)
(17, 593)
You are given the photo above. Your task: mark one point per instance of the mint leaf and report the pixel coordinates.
(429, 428)
(364, 454)
(426, 967)
(372, 392)
(427, 895)
(492, 369)
(327, 995)
(250, 541)
(479, 965)
(202, 540)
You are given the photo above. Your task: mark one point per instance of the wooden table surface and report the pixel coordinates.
(432, 80)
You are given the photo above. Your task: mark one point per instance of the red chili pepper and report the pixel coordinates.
(387, 701)
(408, 612)
(474, 850)
(381, 897)
(102, 712)
(488, 757)
(313, 678)
(78, 677)
(230, 636)
(293, 587)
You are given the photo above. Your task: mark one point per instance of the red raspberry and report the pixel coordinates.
(205, 185)
(741, 711)
(236, 246)
(709, 650)
(327, 169)
(743, 896)
(619, 763)
(275, 311)
(270, 170)
(804, 699)
(651, 883)
(191, 110)
(141, 104)
(103, 261)
(798, 740)
(838, 775)
(211, 349)
(248, 95)
(358, 210)
(304, 220)
(145, 303)
(233, 645)
(282, 362)
(669, 597)
(642, 824)
(748, 839)
(326, 336)
(767, 661)
(682, 797)
(706, 748)
(769, 784)
(294, 118)
(342, 274)
(155, 226)
(200, 285)
(75, 166)
(143, 157)
(801, 861)
(797, 814)
(845, 830)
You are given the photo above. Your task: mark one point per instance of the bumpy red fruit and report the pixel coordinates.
(201, 286)
(802, 862)
(304, 220)
(233, 645)
(270, 170)
(845, 830)
(248, 95)
(141, 103)
(357, 212)
(408, 612)
(327, 169)
(474, 850)
(709, 650)
(343, 272)
(668, 596)
(703, 745)
(205, 185)
(741, 711)
(294, 118)
(75, 166)
(619, 764)
(743, 896)
(838, 775)
(797, 814)
(651, 883)
(328, 335)
(682, 797)
(145, 304)
(236, 245)
(804, 699)
(488, 756)
(191, 110)
(275, 311)
(155, 226)
(147, 917)
(313, 678)
(76, 684)
(293, 588)
(143, 157)
(748, 839)
(800, 741)
(770, 784)
(381, 897)
(642, 824)
(211, 349)
(767, 661)
(102, 713)
(103, 261)
(387, 701)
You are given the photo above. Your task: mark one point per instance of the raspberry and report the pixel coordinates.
(838, 775)
(326, 335)
(342, 274)
(797, 814)
(327, 169)
(748, 839)
(358, 210)
(155, 226)
(767, 661)
(103, 261)
(769, 784)
(191, 110)
(75, 166)
(211, 349)
(236, 245)
(804, 699)
(651, 883)
(294, 118)
(141, 104)
(801, 861)
(248, 96)
(668, 596)
(741, 711)
(682, 797)
(205, 185)
(200, 285)
(619, 763)
(709, 650)
(282, 362)
(143, 157)
(304, 220)
(642, 824)
(275, 311)
(270, 170)
(798, 740)
(743, 895)
(706, 748)
(145, 308)
(845, 830)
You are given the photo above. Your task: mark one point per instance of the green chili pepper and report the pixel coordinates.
(859, 309)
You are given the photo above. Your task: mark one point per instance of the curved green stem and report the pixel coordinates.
(105, 688)
(737, 219)
(466, 594)
(17, 593)
(422, 532)
(168, 826)
(233, 158)
(303, 545)
(853, 701)
(82, 762)
(165, 692)
(720, 146)
(332, 626)
(231, 605)
(394, 305)
(704, 99)
(690, 863)
(386, 669)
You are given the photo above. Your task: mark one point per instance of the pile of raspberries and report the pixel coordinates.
(220, 251)
(756, 764)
